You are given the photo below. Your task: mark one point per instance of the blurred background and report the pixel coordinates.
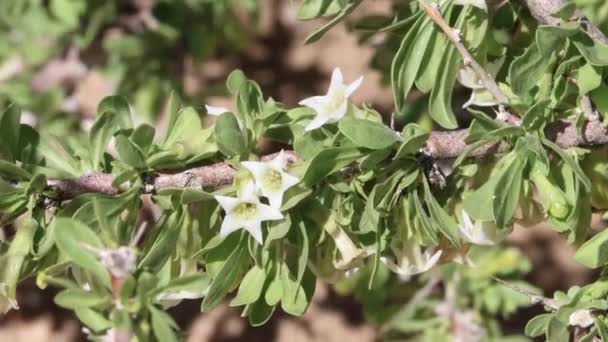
(59, 58)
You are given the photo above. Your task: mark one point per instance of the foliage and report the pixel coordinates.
(367, 212)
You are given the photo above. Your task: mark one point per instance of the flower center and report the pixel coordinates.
(336, 99)
(272, 180)
(245, 211)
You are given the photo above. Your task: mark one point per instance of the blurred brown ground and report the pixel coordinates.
(288, 71)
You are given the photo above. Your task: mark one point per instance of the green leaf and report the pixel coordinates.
(588, 78)
(414, 138)
(445, 222)
(184, 125)
(100, 134)
(302, 243)
(71, 237)
(19, 248)
(118, 105)
(310, 9)
(225, 278)
(274, 292)
(164, 243)
(93, 319)
(594, 252)
(538, 325)
(163, 325)
(235, 80)
(408, 59)
(595, 52)
(260, 312)
(327, 162)
(565, 11)
(367, 134)
(9, 170)
(75, 298)
(10, 129)
(508, 188)
(143, 136)
(296, 297)
(130, 153)
(570, 161)
(251, 287)
(557, 331)
(230, 139)
(346, 10)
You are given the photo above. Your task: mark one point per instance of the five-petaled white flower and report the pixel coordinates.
(333, 106)
(271, 180)
(246, 212)
(411, 260)
(216, 111)
(478, 233)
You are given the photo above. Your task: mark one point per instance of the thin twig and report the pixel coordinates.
(534, 298)
(468, 60)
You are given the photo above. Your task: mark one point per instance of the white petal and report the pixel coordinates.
(432, 260)
(249, 193)
(350, 89)
(279, 162)
(227, 203)
(216, 111)
(268, 213)
(317, 122)
(317, 103)
(340, 112)
(257, 169)
(229, 225)
(289, 181)
(337, 80)
(275, 199)
(255, 229)
(467, 220)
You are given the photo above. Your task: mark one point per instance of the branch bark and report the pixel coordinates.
(440, 145)
(541, 10)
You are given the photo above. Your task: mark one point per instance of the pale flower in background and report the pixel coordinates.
(411, 260)
(478, 233)
(216, 111)
(246, 212)
(271, 180)
(333, 106)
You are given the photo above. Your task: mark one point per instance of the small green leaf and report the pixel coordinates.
(594, 252)
(130, 153)
(163, 326)
(414, 138)
(10, 130)
(225, 277)
(9, 170)
(595, 52)
(570, 161)
(538, 325)
(310, 9)
(93, 319)
(251, 287)
(346, 10)
(327, 162)
(588, 78)
(100, 134)
(72, 237)
(118, 105)
(508, 189)
(230, 139)
(75, 298)
(367, 134)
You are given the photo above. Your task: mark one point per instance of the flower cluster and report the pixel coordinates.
(246, 211)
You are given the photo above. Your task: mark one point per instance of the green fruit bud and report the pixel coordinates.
(553, 199)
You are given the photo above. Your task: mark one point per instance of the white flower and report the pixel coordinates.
(333, 106)
(478, 233)
(246, 212)
(270, 178)
(411, 260)
(581, 318)
(216, 111)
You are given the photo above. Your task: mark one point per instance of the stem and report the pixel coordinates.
(468, 60)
